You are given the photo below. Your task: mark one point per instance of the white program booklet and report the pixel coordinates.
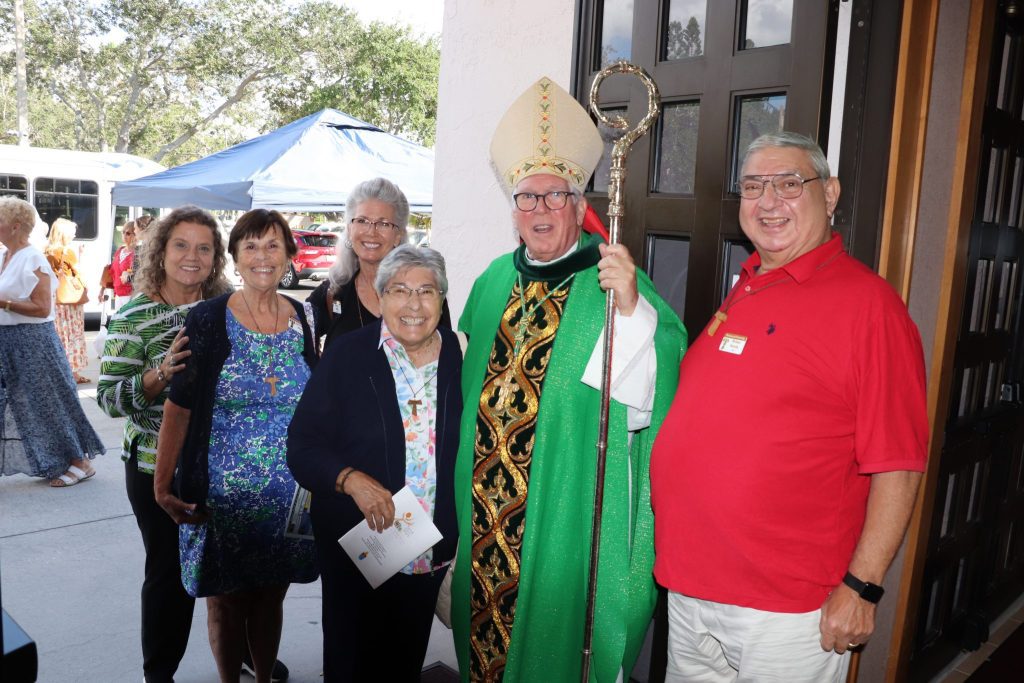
(379, 556)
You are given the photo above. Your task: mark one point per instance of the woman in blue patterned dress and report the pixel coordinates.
(225, 425)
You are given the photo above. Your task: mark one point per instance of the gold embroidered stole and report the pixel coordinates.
(506, 420)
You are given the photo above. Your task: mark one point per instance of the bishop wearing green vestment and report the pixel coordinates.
(527, 457)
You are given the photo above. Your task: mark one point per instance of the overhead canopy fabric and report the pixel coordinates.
(308, 165)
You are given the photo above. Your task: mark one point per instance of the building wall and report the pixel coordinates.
(491, 51)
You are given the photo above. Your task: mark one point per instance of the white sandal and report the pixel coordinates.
(73, 476)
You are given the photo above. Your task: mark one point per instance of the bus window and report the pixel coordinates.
(14, 185)
(75, 199)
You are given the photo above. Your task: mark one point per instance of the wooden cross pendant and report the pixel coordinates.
(414, 402)
(272, 381)
(719, 319)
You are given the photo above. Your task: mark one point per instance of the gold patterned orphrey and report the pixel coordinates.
(616, 211)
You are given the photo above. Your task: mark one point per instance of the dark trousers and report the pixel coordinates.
(166, 607)
(373, 634)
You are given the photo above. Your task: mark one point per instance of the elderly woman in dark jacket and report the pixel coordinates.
(381, 412)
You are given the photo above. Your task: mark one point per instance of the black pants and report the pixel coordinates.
(166, 607)
(373, 634)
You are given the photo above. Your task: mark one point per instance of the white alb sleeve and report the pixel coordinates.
(634, 363)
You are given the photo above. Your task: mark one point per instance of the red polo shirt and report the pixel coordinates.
(759, 474)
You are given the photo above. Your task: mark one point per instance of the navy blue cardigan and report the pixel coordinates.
(195, 387)
(349, 417)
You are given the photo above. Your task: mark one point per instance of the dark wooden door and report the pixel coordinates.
(974, 567)
(727, 71)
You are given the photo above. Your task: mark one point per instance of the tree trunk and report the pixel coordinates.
(21, 71)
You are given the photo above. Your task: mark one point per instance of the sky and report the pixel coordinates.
(423, 15)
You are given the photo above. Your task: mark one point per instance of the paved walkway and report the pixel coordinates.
(71, 565)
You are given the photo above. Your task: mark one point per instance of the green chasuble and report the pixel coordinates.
(546, 631)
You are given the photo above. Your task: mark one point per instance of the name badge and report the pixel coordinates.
(733, 343)
(336, 309)
(294, 324)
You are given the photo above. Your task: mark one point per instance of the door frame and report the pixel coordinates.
(903, 195)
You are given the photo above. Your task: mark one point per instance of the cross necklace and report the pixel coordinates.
(413, 401)
(525, 315)
(271, 378)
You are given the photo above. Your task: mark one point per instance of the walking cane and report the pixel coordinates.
(616, 210)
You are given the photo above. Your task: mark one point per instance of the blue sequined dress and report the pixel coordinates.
(243, 544)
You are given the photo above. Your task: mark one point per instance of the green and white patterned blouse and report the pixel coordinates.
(138, 337)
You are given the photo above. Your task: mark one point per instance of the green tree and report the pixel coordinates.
(387, 77)
(147, 76)
(683, 42)
(176, 79)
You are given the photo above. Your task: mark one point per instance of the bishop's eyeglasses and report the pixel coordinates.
(786, 185)
(555, 200)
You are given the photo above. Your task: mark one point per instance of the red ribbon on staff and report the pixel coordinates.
(592, 223)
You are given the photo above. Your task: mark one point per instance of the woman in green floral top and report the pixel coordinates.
(144, 348)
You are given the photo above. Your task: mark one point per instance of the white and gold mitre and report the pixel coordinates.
(546, 131)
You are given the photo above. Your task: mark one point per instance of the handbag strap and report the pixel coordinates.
(61, 262)
(307, 309)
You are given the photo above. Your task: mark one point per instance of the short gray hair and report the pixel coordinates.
(380, 189)
(18, 213)
(407, 256)
(789, 139)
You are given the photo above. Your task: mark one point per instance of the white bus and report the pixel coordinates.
(75, 185)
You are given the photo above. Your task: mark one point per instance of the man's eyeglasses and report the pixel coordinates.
(404, 294)
(786, 185)
(367, 224)
(527, 201)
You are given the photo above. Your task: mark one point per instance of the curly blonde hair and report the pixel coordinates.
(18, 213)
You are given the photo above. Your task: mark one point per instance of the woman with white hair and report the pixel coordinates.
(377, 216)
(70, 317)
(381, 412)
(43, 430)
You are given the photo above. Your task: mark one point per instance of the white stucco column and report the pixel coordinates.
(491, 51)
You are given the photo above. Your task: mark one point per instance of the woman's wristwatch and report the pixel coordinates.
(160, 375)
(7, 306)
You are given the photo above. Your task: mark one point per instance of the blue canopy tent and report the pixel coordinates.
(308, 165)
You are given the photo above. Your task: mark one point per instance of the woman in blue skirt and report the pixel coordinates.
(43, 430)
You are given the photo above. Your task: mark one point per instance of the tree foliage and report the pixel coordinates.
(385, 76)
(176, 79)
(684, 42)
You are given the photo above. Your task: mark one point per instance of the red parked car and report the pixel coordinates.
(316, 255)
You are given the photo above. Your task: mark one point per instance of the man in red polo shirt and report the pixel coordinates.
(785, 473)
